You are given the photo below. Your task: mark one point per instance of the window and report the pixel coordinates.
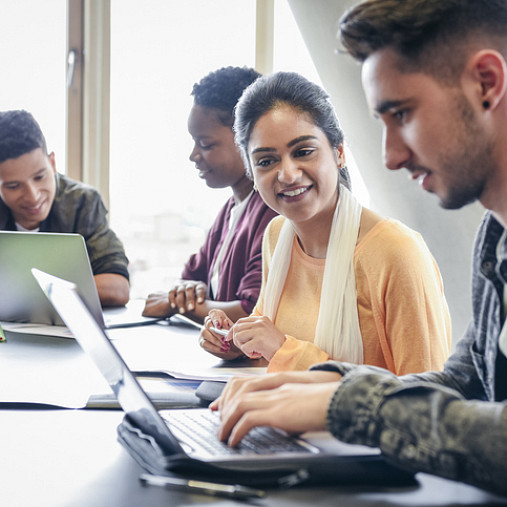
(159, 207)
(159, 49)
(33, 56)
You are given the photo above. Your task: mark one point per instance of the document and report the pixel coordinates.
(218, 373)
(176, 352)
(121, 317)
(163, 392)
(37, 329)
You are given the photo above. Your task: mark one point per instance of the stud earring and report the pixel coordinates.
(486, 104)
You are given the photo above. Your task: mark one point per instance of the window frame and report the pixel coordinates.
(88, 84)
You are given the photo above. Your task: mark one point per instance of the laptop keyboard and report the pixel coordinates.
(198, 429)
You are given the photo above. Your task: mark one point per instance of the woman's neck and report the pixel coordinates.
(313, 235)
(242, 188)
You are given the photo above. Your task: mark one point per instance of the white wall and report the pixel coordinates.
(449, 234)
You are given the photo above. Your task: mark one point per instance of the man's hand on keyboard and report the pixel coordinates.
(292, 401)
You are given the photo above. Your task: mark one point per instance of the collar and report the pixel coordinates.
(493, 253)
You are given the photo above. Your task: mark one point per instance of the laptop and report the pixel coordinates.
(66, 256)
(186, 439)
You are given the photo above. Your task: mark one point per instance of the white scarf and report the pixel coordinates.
(337, 332)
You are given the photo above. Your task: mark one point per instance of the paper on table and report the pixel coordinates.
(63, 378)
(59, 397)
(125, 316)
(218, 374)
(37, 329)
(167, 350)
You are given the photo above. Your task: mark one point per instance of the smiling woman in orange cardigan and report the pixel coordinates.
(339, 281)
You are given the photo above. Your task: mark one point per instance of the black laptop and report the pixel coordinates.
(185, 440)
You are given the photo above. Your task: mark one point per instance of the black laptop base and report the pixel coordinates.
(371, 469)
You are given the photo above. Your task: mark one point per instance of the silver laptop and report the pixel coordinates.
(185, 432)
(64, 255)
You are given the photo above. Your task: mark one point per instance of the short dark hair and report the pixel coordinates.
(430, 35)
(19, 134)
(222, 88)
(289, 88)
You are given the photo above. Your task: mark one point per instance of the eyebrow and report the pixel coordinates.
(289, 144)
(34, 175)
(386, 105)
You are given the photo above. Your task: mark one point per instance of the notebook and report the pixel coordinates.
(66, 256)
(186, 439)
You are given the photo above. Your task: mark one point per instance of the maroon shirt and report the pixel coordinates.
(240, 272)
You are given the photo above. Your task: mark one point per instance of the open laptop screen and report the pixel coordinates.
(64, 255)
(93, 340)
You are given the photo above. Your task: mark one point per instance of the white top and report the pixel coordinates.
(235, 214)
(19, 227)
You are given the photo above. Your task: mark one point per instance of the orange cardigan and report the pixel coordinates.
(403, 314)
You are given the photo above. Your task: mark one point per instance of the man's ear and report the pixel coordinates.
(488, 70)
(52, 161)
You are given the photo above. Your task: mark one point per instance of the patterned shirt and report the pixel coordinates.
(451, 423)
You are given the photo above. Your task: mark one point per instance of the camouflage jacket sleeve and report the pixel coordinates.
(421, 425)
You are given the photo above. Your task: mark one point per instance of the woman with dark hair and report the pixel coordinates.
(226, 273)
(339, 281)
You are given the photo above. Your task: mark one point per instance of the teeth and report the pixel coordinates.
(417, 177)
(292, 193)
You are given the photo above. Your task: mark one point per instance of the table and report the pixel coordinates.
(62, 457)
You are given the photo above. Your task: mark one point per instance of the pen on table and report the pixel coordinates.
(2, 334)
(206, 488)
(183, 318)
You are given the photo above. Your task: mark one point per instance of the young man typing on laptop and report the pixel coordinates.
(34, 197)
(435, 73)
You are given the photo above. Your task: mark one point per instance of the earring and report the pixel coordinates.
(255, 187)
(486, 104)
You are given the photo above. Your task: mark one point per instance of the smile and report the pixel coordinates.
(34, 210)
(296, 192)
(422, 177)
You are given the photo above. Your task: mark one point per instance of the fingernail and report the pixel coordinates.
(190, 306)
(173, 305)
(182, 310)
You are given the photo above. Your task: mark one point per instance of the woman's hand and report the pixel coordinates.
(257, 337)
(292, 401)
(186, 295)
(215, 343)
(181, 298)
